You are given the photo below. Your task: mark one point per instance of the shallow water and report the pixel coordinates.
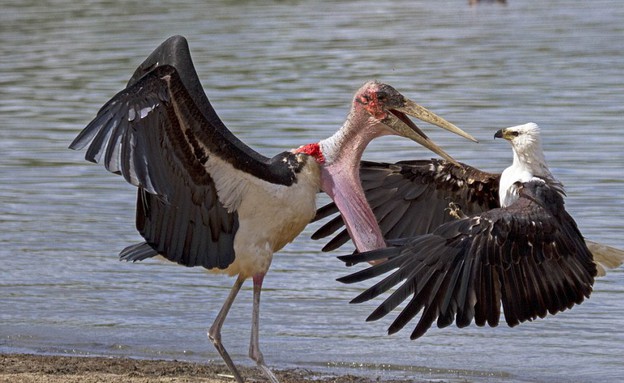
(280, 75)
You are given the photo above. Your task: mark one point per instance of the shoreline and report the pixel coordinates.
(34, 368)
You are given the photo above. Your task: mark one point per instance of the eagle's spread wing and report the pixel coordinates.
(530, 256)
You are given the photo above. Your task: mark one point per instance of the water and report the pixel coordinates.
(280, 75)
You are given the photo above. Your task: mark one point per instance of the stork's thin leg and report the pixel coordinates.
(254, 347)
(214, 333)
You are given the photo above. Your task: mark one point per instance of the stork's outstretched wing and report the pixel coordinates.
(530, 256)
(162, 135)
(412, 197)
(175, 52)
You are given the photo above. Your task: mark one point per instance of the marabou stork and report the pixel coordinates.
(206, 199)
(461, 241)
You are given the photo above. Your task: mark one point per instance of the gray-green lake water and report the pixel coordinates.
(282, 74)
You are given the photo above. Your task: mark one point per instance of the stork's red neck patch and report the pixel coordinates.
(313, 150)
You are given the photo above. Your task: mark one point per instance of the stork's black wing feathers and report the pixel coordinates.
(175, 52)
(530, 256)
(160, 133)
(412, 197)
(154, 145)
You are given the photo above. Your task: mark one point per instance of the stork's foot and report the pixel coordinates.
(256, 356)
(268, 373)
(455, 211)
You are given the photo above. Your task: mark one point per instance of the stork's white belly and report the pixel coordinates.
(270, 217)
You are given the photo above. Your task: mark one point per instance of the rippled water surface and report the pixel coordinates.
(282, 74)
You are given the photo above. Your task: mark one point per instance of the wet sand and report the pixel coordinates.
(26, 368)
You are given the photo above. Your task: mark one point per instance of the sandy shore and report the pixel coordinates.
(25, 368)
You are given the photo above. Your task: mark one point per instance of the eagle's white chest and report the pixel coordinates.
(527, 165)
(508, 192)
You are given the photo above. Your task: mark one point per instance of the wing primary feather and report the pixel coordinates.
(466, 297)
(413, 307)
(370, 272)
(137, 252)
(328, 228)
(411, 271)
(102, 128)
(494, 294)
(449, 302)
(339, 240)
(324, 212)
(370, 255)
(431, 311)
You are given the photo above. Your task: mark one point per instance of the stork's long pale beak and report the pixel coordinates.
(402, 125)
(413, 109)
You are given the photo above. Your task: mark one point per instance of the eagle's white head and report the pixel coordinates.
(525, 140)
(528, 161)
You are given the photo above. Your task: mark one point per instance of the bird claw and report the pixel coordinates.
(455, 211)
